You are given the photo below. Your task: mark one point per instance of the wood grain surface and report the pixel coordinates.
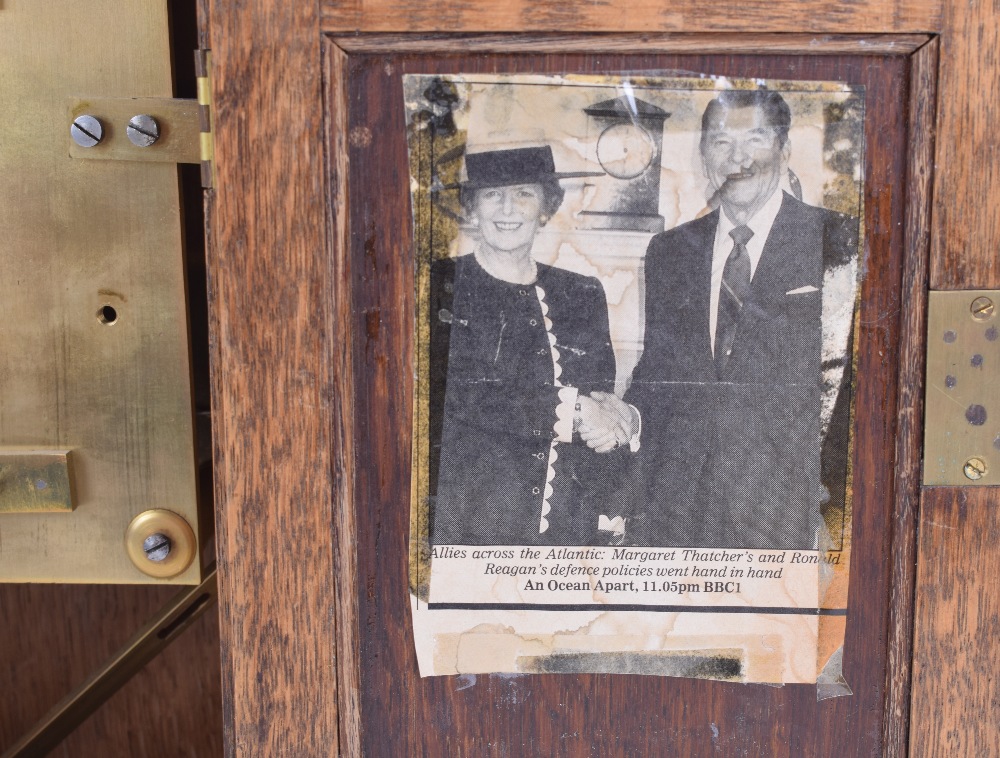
(54, 636)
(956, 693)
(967, 192)
(955, 696)
(823, 16)
(342, 333)
(703, 44)
(270, 285)
(909, 435)
(559, 715)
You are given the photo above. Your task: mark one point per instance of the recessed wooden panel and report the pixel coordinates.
(401, 714)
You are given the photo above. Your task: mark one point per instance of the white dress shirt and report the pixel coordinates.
(760, 224)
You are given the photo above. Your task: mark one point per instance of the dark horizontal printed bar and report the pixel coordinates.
(641, 608)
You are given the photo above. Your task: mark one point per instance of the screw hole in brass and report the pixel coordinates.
(107, 315)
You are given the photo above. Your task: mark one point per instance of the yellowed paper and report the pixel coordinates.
(632, 425)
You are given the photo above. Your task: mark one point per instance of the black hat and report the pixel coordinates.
(523, 165)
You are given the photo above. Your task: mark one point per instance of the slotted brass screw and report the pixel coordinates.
(975, 469)
(982, 308)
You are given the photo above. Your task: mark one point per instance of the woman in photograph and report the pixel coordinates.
(517, 347)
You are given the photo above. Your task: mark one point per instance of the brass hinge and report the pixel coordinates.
(157, 129)
(203, 70)
(962, 415)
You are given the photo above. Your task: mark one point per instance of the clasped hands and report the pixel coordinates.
(605, 422)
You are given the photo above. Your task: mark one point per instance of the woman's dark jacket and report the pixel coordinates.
(493, 402)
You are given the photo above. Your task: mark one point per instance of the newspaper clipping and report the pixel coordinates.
(632, 435)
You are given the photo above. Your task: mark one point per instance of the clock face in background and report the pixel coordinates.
(625, 150)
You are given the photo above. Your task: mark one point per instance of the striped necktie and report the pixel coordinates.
(732, 294)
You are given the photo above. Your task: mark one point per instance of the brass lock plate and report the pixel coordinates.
(35, 481)
(94, 353)
(962, 413)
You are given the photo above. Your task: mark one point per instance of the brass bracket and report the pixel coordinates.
(962, 416)
(171, 130)
(178, 121)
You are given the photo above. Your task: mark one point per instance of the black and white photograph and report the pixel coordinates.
(637, 303)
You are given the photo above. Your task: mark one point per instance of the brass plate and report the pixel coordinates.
(94, 347)
(180, 129)
(962, 416)
(35, 481)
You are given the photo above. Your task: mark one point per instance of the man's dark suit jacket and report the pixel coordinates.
(734, 460)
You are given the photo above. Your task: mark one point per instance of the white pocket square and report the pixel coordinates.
(802, 290)
(615, 525)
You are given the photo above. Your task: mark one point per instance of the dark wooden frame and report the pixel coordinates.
(281, 368)
(922, 52)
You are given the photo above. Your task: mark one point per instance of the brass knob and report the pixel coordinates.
(160, 543)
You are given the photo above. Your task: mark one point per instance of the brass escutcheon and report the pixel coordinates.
(179, 538)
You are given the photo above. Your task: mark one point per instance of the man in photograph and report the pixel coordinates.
(740, 403)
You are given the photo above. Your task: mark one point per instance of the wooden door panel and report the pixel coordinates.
(284, 378)
(399, 713)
